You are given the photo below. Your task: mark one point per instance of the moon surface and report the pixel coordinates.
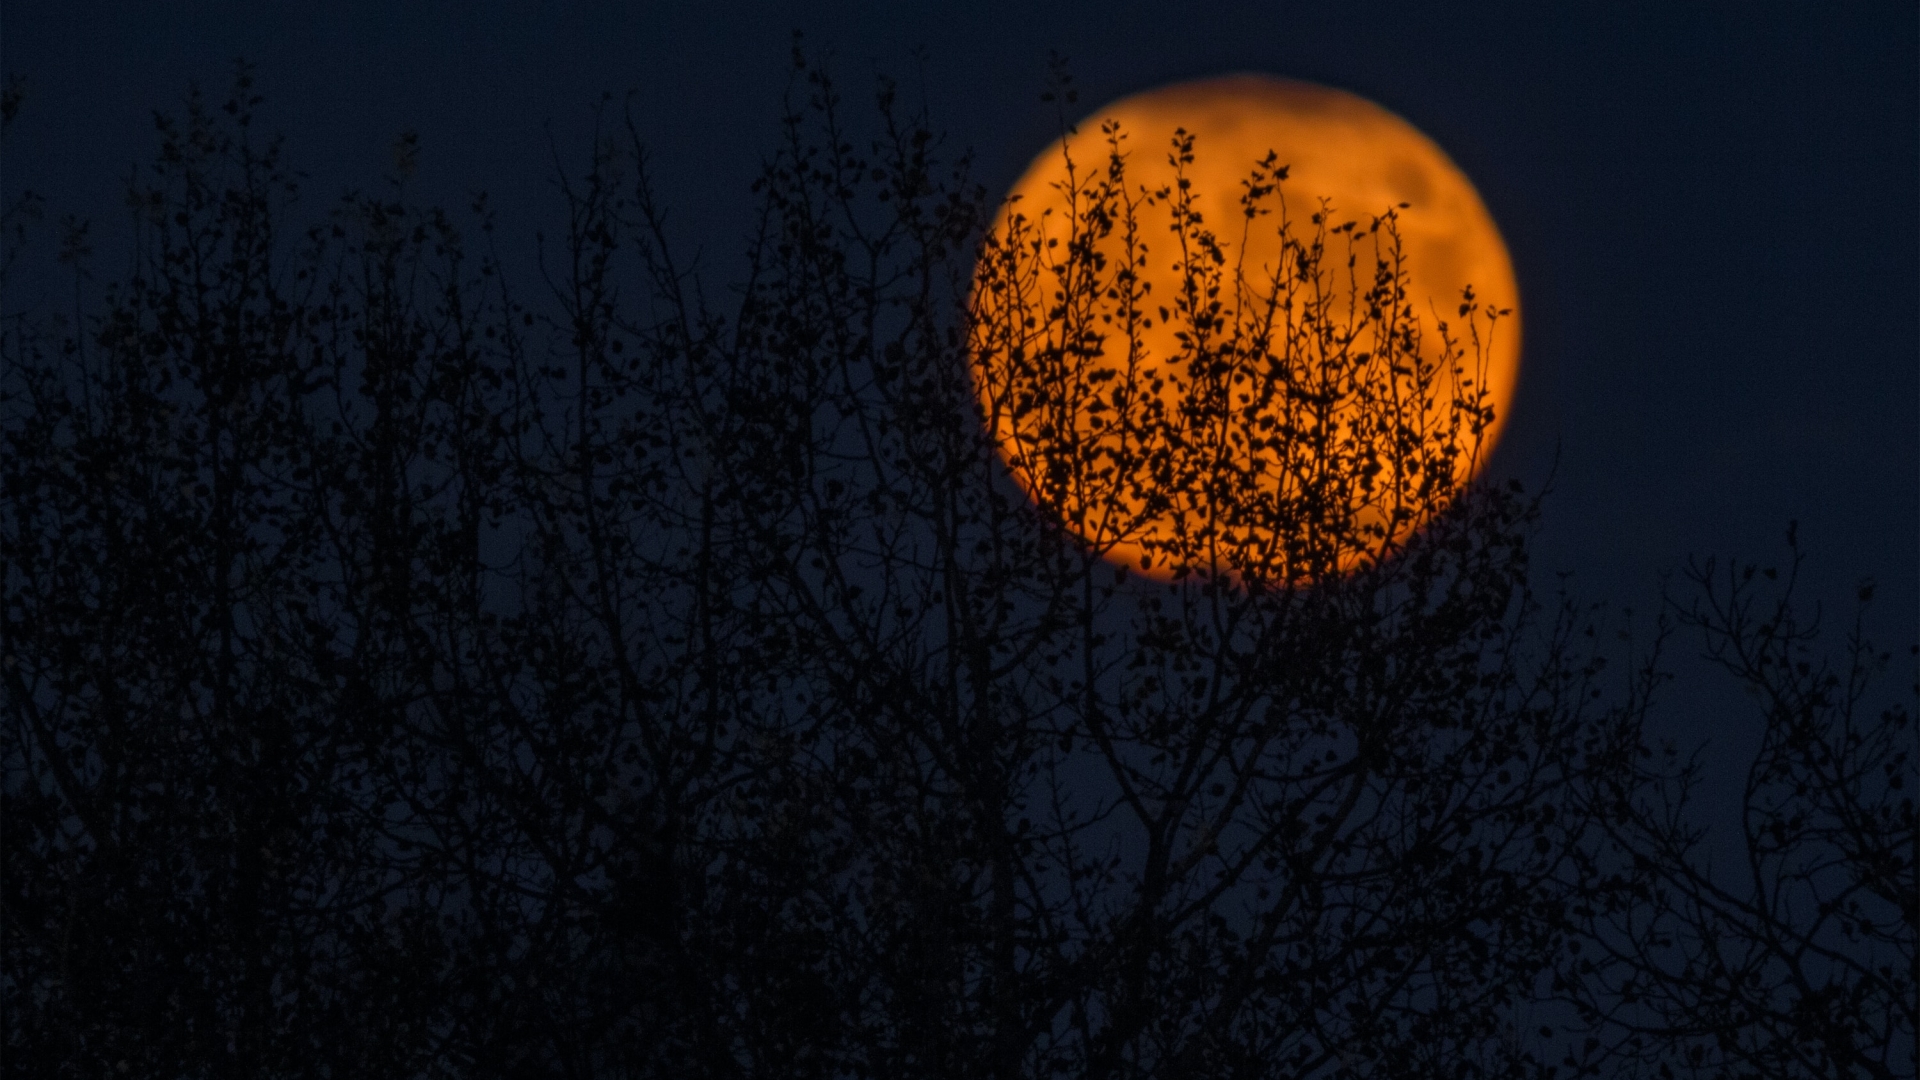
(1361, 159)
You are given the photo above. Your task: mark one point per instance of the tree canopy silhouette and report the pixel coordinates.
(415, 671)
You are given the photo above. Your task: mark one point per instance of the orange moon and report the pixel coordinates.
(1338, 147)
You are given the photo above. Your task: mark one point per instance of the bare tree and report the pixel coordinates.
(410, 674)
(1792, 954)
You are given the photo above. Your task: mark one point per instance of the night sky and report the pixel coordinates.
(1710, 207)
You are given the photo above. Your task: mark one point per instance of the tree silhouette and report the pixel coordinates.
(408, 676)
(1792, 955)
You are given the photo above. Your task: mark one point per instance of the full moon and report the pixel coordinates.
(1343, 156)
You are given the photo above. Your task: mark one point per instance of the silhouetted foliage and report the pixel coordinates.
(406, 676)
(1791, 954)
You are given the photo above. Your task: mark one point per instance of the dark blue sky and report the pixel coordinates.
(1711, 207)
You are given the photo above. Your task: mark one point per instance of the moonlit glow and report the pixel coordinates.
(1362, 160)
